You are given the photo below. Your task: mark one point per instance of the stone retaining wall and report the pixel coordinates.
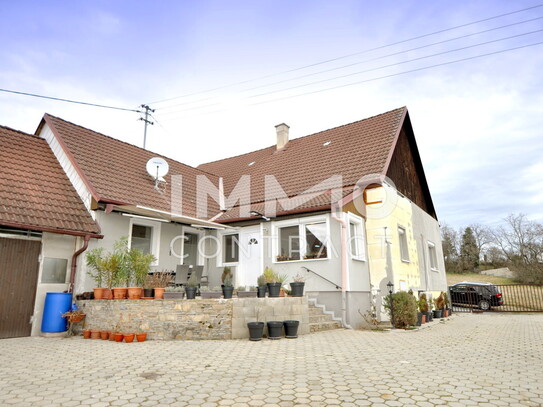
(192, 319)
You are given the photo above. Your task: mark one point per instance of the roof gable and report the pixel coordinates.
(34, 190)
(116, 171)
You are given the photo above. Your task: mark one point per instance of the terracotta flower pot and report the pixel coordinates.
(108, 294)
(129, 338)
(104, 335)
(94, 334)
(118, 337)
(86, 334)
(119, 293)
(99, 293)
(159, 293)
(134, 293)
(141, 337)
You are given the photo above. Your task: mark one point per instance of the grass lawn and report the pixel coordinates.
(475, 277)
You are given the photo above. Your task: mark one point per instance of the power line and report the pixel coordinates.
(361, 72)
(69, 100)
(376, 78)
(350, 55)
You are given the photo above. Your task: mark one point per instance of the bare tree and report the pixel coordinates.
(483, 238)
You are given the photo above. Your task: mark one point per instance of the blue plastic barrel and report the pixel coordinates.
(56, 304)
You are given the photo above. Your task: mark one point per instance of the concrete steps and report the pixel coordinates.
(320, 320)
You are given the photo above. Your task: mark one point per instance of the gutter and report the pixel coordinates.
(74, 262)
(343, 269)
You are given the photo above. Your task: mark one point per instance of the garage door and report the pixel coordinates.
(19, 266)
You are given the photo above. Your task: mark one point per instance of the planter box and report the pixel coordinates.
(210, 294)
(247, 294)
(177, 295)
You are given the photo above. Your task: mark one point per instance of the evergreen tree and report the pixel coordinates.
(469, 252)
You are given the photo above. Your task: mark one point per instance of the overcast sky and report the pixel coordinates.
(232, 70)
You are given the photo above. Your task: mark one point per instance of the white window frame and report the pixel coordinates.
(360, 240)
(200, 234)
(402, 235)
(301, 223)
(221, 262)
(155, 235)
(432, 247)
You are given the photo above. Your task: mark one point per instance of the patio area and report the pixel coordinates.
(470, 360)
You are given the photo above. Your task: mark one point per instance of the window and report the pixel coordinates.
(54, 271)
(404, 252)
(356, 238)
(231, 248)
(142, 238)
(303, 241)
(433, 256)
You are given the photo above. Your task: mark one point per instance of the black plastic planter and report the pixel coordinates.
(275, 329)
(419, 318)
(227, 292)
(256, 329)
(438, 313)
(191, 292)
(429, 316)
(274, 289)
(291, 329)
(297, 289)
(148, 292)
(261, 293)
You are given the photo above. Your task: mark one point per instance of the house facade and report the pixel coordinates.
(348, 208)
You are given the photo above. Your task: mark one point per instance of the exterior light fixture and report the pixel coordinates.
(258, 214)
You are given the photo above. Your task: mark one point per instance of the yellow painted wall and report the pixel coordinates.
(396, 211)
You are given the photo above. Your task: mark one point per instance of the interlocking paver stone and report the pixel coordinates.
(468, 360)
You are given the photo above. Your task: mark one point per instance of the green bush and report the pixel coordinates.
(404, 308)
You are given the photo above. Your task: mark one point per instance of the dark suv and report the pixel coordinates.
(484, 295)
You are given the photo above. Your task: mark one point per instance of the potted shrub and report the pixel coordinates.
(261, 286)
(446, 308)
(297, 286)
(439, 305)
(247, 292)
(174, 293)
(227, 287)
(140, 265)
(423, 307)
(161, 279)
(402, 309)
(208, 292)
(274, 286)
(281, 278)
(96, 271)
(191, 287)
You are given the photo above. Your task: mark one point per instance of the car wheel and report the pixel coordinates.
(484, 305)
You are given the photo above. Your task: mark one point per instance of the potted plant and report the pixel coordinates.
(281, 278)
(439, 305)
(274, 286)
(96, 271)
(159, 282)
(174, 293)
(227, 287)
(261, 286)
(297, 286)
(141, 336)
(148, 287)
(423, 307)
(191, 287)
(446, 308)
(140, 264)
(207, 292)
(247, 292)
(256, 328)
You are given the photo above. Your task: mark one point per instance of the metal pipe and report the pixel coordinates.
(74, 261)
(343, 269)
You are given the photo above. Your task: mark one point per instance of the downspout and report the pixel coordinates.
(343, 269)
(74, 262)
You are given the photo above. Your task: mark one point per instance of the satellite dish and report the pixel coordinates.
(157, 167)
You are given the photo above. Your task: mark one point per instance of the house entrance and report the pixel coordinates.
(250, 253)
(19, 267)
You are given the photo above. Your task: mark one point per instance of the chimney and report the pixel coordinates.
(282, 135)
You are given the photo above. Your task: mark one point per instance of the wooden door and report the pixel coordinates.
(19, 267)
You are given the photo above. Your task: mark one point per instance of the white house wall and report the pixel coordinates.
(68, 167)
(58, 247)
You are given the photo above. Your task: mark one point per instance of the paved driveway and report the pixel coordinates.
(470, 360)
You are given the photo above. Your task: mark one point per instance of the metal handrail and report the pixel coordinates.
(338, 287)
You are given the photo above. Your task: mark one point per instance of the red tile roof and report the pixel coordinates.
(34, 190)
(352, 151)
(116, 171)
